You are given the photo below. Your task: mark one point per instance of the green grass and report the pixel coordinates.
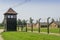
(1, 27)
(52, 30)
(28, 36)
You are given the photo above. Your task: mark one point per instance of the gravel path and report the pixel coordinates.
(1, 30)
(57, 34)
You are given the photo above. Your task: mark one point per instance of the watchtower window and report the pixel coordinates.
(8, 16)
(14, 16)
(11, 16)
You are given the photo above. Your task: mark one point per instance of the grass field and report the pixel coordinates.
(52, 30)
(28, 36)
(1, 27)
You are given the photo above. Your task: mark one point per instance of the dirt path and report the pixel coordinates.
(57, 34)
(1, 30)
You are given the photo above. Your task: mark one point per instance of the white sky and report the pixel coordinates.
(35, 9)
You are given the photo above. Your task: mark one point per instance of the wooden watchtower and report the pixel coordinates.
(10, 20)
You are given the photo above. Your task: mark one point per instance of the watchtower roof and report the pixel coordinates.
(10, 11)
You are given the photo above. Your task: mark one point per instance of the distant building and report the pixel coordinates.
(43, 24)
(53, 24)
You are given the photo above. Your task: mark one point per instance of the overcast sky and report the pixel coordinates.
(34, 8)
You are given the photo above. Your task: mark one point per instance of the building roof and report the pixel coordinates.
(43, 23)
(10, 11)
(56, 22)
